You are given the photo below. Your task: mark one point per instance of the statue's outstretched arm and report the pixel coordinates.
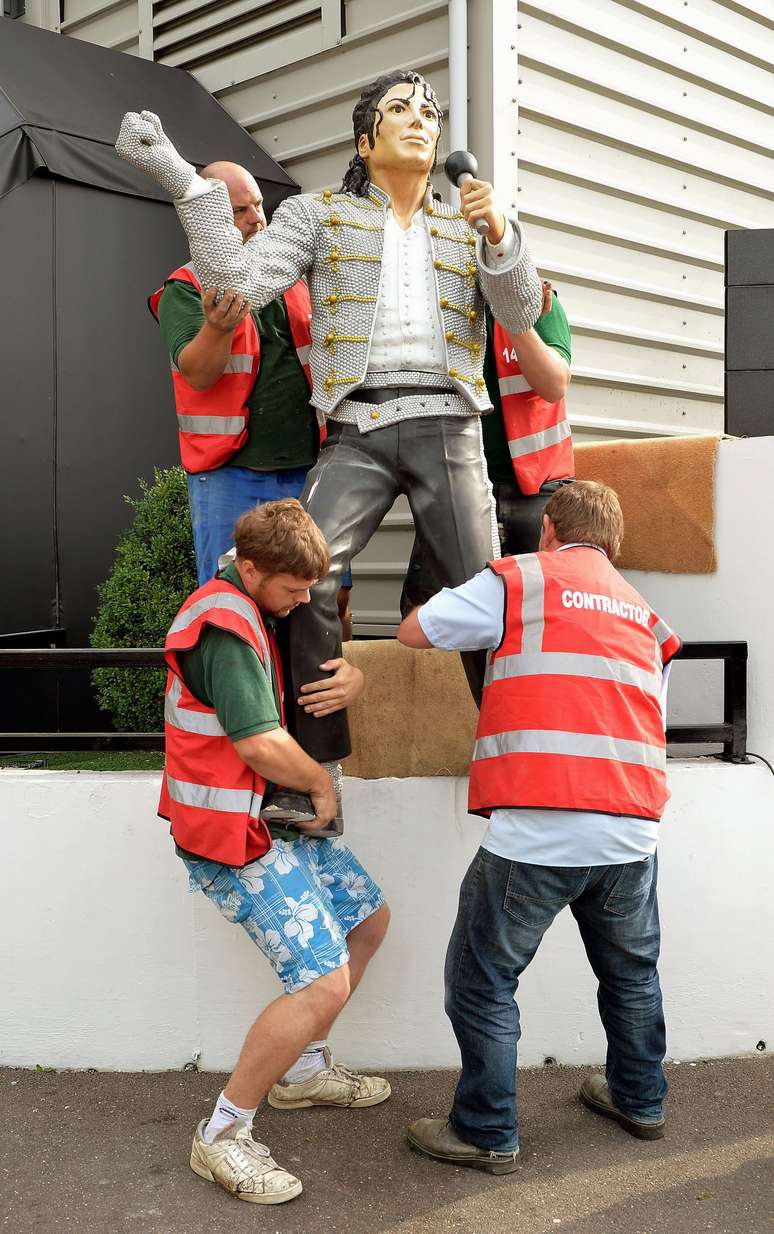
(511, 286)
(264, 267)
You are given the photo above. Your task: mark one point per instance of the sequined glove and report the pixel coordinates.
(143, 142)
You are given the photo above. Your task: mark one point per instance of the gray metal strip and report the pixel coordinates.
(222, 425)
(303, 354)
(539, 441)
(513, 385)
(532, 604)
(577, 745)
(570, 664)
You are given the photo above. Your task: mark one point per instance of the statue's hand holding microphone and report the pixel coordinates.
(477, 201)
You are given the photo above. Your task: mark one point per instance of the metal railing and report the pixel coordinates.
(731, 733)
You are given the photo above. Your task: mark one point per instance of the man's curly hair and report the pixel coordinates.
(367, 117)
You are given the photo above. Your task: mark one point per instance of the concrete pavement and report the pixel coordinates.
(107, 1153)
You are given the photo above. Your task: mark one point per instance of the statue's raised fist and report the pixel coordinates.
(143, 142)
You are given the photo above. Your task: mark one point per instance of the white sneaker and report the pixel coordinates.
(242, 1166)
(336, 1086)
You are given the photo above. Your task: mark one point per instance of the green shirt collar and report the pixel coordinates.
(231, 575)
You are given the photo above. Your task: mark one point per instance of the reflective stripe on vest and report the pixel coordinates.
(576, 745)
(531, 444)
(222, 425)
(599, 666)
(569, 664)
(538, 432)
(218, 599)
(211, 796)
(513, 385)
(234, 364)
(205, 797)
(203, 722)
(533, 603)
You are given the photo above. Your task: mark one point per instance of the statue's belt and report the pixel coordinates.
(388, 394)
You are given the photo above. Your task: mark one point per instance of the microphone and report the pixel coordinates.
(460, 167)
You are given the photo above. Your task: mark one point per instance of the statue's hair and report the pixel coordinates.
(367, 117)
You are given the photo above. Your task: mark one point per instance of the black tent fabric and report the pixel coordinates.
(87, 396)
(61, 103)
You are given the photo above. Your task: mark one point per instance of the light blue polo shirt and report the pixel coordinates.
(469, 618)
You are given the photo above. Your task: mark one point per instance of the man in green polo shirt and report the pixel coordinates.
(307, 903)
(544, 356)
(282, 431)
(222, 672)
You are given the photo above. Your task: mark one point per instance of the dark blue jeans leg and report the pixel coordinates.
(618, 919)
(504, 910)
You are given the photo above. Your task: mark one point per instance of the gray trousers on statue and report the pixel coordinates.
(437, 461)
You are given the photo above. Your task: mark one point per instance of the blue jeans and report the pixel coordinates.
(505, 909)
(216, 500)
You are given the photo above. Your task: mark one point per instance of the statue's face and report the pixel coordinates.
(406, 131)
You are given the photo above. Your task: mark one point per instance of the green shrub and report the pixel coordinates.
(154, 572)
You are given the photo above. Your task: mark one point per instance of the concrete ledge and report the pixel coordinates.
(107, 960)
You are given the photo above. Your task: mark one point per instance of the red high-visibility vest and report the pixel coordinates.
(210, 796)
(538, 433)
(212, 423)
(570, 715)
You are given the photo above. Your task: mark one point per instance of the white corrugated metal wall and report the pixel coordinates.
(644, 132)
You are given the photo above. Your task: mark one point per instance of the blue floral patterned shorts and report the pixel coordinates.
(298, 903)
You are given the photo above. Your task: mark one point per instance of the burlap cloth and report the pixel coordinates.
(416, 716)
(666, 486)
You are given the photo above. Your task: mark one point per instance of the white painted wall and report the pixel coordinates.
(737, 602)
(108, 961)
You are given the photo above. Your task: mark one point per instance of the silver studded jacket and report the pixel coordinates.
(335, 240)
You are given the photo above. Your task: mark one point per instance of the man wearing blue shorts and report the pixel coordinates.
(305, 901)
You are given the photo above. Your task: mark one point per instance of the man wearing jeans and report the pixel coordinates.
(570, 768)
(248, 431)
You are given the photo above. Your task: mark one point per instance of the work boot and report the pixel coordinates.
(596, 1096)
(286, 807)
(436, 1138)
(242, 1166)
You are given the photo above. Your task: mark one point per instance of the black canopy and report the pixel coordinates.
(87, 396)
(61, 103)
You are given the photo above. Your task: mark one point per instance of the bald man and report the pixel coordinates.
(248, 431)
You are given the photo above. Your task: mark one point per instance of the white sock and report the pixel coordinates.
(224, 1114)
(315, 1058)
